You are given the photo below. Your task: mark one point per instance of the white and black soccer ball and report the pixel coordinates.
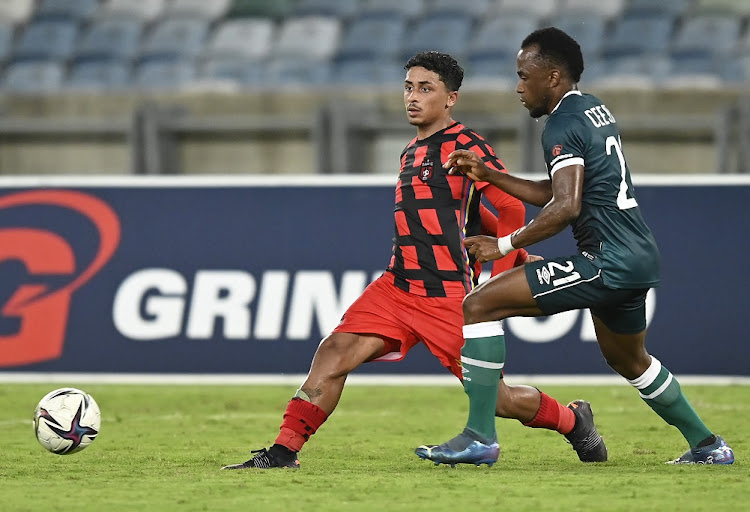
(66, 420)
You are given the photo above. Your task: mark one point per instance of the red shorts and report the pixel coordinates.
(403, 319)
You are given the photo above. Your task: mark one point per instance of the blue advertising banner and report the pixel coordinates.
(246, 276)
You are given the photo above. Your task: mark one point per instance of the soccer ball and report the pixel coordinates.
(66, 421)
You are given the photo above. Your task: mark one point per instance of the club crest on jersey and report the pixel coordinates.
(557, 150)
(425, 170)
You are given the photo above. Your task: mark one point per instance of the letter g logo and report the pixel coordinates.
(43, 309)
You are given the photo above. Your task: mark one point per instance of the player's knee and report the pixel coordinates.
(474, 309)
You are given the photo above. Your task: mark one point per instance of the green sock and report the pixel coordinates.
(482, 360)
(661, 391)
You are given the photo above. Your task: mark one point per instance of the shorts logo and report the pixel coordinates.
(557, 150)
(34, 313)
(425, 171)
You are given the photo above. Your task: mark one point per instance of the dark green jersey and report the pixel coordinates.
(610, 228)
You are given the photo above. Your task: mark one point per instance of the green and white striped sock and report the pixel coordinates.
(661, 391)
(482, 361)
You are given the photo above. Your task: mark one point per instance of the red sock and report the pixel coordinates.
(301, 420)
(553, 415)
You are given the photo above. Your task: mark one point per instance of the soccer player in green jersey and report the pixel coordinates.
(589, 188)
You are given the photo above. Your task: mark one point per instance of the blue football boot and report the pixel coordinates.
(717, 453)
(465, 448)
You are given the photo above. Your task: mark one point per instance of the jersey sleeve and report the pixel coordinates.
(564, 142)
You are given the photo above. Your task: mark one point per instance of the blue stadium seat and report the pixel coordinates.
(501, 37)
(738, 8)
(449, 33)
(735, 70)
(296, 72)
(368, 71)
(486, 68)
(632, 72)
(637, 35)
(245, 38)
(587, 30)
(70, 10)
(104, 74)
(164, 73)
(47, 40)
(179, 37)
(33, 77)
(110, 38)
(716, 33)
(357, 42)
(6, 38)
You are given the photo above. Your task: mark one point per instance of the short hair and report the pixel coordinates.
(557, 48)
(446, 67)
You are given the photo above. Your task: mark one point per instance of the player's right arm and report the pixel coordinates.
(537, 193)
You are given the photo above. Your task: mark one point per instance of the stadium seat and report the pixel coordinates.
(540, 9)
(636, 35)
(343, 9)
(445, 33)
(297, 71)
(276, 9)
(144, 10)
(475, 8)
(314, 37)
(210, 11)
(357, 40)
(387, 8)
(500, 37)
(493, 70)
(237, 71)
(245, 38)
(71, 10)
(33, 77)
(164, 73)
(587, 30)
(111, 37)
(368, 71)
(607, 8)
(16, 11)
(631, 72)
(713, 32)
(105, 74)
(46, 40)
(175, 37)
(6, 38)
(665, 7)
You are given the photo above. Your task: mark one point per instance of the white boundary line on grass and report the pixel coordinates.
(357, 380)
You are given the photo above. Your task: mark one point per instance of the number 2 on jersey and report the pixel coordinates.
(623, 201)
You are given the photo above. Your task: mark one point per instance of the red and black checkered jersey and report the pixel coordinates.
(434, 212)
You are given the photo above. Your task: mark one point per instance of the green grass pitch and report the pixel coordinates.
(161, 448)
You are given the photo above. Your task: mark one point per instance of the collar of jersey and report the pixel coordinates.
(570, 92)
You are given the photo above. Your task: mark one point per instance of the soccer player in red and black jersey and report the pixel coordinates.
(419, 297)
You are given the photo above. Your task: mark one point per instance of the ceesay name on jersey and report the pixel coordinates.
(161, 303)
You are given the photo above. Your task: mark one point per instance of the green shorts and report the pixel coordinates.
(574, 282)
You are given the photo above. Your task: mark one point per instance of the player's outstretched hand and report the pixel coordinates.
(531, 258)
(467, 162)
(483, 247)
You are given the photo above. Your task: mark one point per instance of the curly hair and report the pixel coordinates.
(446, 67)
(556, 48)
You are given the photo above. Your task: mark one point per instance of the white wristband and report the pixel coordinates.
(504, 244)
